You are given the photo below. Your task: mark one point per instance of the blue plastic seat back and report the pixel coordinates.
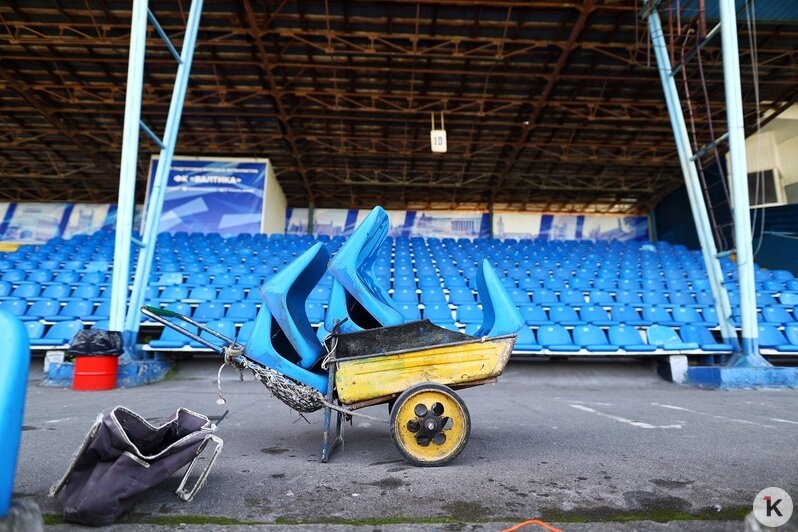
(534, 315)
(667, 338)
(267, 344)
(554, 335)
(353, 267)
(627, 337)
(286, 294)
(595, 314)
(345, 309)
(242, 311)
(770, 336)
(776, 314)
(74, 309)
(685, 315)
(500, 313)
(791, 333)
(470, 313)
(590, 336)
(208, 310)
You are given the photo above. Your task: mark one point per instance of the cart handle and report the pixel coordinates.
(160, 315)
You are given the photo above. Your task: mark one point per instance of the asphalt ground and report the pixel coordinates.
(591, 445)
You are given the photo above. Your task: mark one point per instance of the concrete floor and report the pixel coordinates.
(569, 442)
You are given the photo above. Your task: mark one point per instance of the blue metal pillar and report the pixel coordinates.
(14, 364)
(127, 171)
(693, 185)
(738, 173)
(155, 203)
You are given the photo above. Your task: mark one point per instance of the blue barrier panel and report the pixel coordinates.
(14, 363)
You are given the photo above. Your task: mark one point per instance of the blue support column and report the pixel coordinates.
(155, 203)
(14, 364)
(738, 172)
(692, 183)
(127, 172)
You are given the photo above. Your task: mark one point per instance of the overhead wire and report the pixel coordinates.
(750, 17)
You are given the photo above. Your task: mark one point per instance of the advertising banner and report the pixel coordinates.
(212, 195)
(569, 227)
(87, 218)
(34, 222)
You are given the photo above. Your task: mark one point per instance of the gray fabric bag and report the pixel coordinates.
(123, 456)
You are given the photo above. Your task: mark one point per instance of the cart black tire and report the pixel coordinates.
(430, 424)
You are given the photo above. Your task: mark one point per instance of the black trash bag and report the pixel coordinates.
(95, 342)
(123, 456)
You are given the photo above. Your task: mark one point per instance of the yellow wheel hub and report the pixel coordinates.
(430, 424)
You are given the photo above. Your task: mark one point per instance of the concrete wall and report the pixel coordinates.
(274, 205)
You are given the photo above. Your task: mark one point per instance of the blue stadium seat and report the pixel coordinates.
(35, 329)
(171, 339)
(286, 295)
(703, 337)
(628, 338)
(72, 310)
(25, 291)
(410, 311)
(461, 296)
(40, 276)
(5, 288)
(245, 332)
(543, 296)
(565, 315)
(86, 291)
(175, 292)
(470, 313)
(534, 315)
(437, 312)
(59, 334)
(314, 311)
(519, 296)
(596, 315)
(600, 297)
(208, 311)
(658, 314)
(353, 267)
(268, 345)
(405, 294)
(788, 298)
(526, 341)
(628, 297)
(41, 308)
(668, 339)
(231, 294)
(686, 314)
(242, 311)
(225, 327)
(593, 339)
(319, 294)
(772, 338)
(655, 297)
(776, 314)
(627, 315)
(200, 294)
(556, 338)
(791, 333)
(572, 297)
(224, 279)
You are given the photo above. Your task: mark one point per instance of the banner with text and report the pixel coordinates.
(212, 195)
(569, 227)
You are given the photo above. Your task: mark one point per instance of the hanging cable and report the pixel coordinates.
(750, 17)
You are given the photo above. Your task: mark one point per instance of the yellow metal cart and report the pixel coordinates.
(414, 368)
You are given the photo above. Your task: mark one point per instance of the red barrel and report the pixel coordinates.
(95, 373)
